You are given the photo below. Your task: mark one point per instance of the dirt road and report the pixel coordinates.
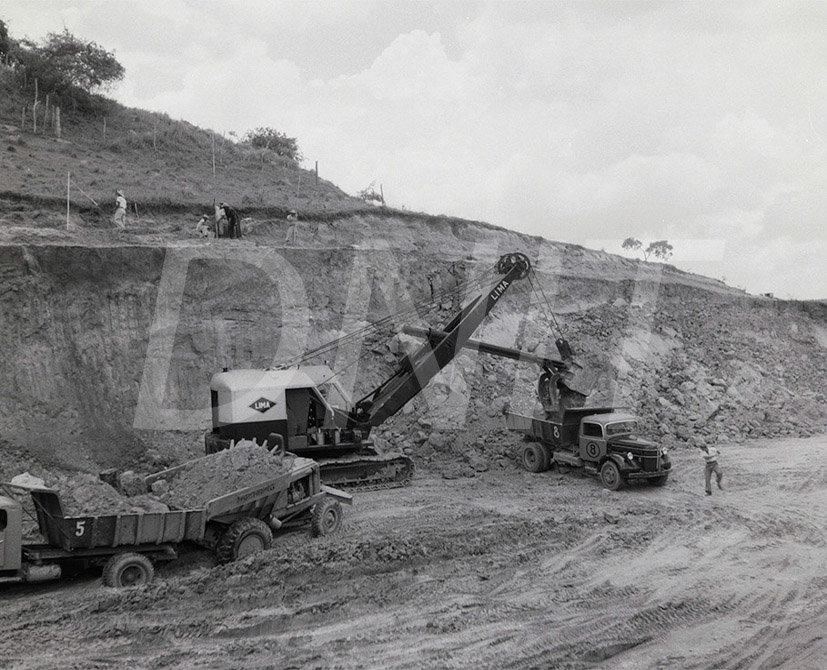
(505, 570)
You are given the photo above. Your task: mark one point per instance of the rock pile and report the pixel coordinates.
(221, 473)
(86, 495)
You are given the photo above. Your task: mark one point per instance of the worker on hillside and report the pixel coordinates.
(711, 465)
(219, 217)
(119, 217)
(233, 223)
(203, 227)
(223, 212)
(292, 230)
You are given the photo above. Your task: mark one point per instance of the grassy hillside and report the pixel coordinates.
(158, 161)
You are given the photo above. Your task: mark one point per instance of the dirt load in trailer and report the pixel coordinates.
(229, 502)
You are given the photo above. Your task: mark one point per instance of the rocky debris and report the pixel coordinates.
(131, 483)
(86, 495)
(201, 480)
(213, 476)
(27, 480)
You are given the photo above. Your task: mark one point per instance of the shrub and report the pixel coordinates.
(273, 140)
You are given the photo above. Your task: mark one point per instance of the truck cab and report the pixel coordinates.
(610, 443)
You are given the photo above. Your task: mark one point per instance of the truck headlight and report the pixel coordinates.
(664, 451)
(630, 455)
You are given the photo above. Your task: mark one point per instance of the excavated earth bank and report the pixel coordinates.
(113, 344)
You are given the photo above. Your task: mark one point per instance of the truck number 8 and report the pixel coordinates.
(80, 527)
(556, 433)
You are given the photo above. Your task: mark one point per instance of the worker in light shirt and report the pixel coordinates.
(711, 465)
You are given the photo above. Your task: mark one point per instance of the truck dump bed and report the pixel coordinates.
(559, 431)
(173, 526)
(88, 532)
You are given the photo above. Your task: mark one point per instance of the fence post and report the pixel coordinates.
(57, 122)
(68, 189)
(34, 109)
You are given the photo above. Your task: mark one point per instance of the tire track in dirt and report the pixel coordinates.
(506, 571)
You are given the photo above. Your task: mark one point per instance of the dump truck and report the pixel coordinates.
(316, 418)
(126, 546)
(603, 441)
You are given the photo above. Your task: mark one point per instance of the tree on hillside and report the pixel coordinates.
(660, 249)
(272, 139)
(70, 70)
(632, 243)
(4, 39)
(85, 65)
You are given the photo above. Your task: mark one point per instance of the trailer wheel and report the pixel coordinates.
(610, 475)
(534, 457)
(128, 569)
(327, 517)
(244, 537)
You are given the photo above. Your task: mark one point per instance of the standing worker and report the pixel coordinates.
(233, 224)
(119, 217)
(292, 230)
(224, 212)
(219, 217)
(711, 465)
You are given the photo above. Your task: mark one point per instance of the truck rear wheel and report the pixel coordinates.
(327, 517)
(610, 476)
(534, 457)
(128, 569)
(244, 537)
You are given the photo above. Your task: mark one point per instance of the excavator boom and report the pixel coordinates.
(418, 368)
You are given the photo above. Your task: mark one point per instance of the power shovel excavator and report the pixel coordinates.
(603, 441)
(305, 406)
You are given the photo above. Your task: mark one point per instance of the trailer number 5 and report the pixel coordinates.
(80, 528)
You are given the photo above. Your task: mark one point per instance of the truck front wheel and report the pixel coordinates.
(128, 569)
(610, 476)
(327, 517)
(244, 537)
(534, 457)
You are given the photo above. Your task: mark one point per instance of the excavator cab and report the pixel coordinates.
(309, 418)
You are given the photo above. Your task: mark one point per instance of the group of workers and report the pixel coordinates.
(227, 223)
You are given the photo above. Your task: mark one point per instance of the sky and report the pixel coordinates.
(701, 123)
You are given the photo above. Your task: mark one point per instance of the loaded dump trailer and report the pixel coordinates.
(603, 441)
(126, 546)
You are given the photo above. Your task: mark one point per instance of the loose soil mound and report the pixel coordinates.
(246, 464)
